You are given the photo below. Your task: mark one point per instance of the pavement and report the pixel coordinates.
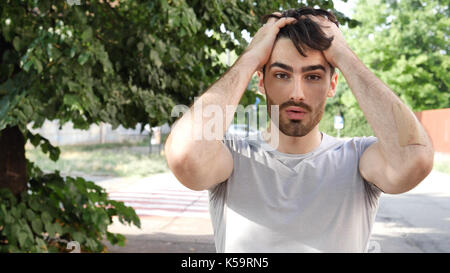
(417, 221)
(173, 217)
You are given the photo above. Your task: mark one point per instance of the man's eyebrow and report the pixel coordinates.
(313, 67)
(304, 69)
(282, 65)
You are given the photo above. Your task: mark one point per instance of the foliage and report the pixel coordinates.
(118, 63)
(55, 211)
(406, 43)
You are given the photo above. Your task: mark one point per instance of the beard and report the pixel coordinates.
(297, 128)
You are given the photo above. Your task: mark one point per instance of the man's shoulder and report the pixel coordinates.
(357, 140)
(357, 143)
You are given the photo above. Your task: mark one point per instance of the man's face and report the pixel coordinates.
(299, 85)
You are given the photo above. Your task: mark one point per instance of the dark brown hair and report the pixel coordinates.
(305, 33)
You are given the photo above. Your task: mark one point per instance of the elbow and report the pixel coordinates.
(415, 171)
(423, 164)
(181, 166)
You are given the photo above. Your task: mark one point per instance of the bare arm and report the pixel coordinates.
(403, 155)
(196, 157)
(199, 162)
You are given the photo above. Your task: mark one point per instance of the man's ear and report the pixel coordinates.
(333, 85)
(261, 87)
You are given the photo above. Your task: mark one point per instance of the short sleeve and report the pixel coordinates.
(372, 191)
(232, 142)
(236, 145)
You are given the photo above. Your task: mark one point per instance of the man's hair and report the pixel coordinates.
(305, 33)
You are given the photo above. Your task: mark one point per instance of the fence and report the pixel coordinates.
(96, 134)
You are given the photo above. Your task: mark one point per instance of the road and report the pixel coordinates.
(175, 219)
(417, 221)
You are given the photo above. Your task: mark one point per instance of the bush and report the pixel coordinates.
(56, 210)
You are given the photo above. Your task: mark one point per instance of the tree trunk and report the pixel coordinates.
(13, 165)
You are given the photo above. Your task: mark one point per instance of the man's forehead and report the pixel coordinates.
(285, 52)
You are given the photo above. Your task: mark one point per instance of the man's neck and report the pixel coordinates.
(296, 145)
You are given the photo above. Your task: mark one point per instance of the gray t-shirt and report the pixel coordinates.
(277, 202)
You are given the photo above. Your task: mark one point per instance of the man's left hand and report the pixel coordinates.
(339, 47)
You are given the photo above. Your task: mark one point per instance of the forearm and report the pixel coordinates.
(192, 132)
(401, 136)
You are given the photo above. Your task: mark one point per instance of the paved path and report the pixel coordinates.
(417, 221)
(176, 219)
(169, 201)
(173, 217)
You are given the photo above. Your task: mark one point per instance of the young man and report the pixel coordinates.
(312, 192)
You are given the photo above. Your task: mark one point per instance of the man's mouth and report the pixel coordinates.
(295, 113)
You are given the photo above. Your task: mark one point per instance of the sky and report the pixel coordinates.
(345, 8)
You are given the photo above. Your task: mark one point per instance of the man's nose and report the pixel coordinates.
(297, 93)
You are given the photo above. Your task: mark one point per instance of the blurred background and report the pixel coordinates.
(86, 95)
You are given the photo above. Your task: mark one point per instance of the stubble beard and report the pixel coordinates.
(297, 128)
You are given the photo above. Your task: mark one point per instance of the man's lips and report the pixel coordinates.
(296, 113)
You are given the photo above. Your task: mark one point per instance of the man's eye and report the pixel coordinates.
(313, 77)
(281, 76)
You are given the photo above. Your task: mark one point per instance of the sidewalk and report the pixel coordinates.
(417, 221)
(161, 233)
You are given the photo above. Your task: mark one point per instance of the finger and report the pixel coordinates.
(273, 19)
(285, 21)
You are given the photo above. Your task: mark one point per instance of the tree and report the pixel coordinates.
(405, 43)
(119, 62)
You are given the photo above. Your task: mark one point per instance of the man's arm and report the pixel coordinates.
(197, 161)
(403, 155)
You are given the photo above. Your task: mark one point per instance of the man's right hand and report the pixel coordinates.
(262, 43)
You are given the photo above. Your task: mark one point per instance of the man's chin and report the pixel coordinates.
(295, 128)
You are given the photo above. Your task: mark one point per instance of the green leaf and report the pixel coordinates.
(154, 56)
(37, 65)
(79, 237)
(73, 51)
(36, 225)
(54, 154)
(46, 217)
(30, 214)
(22, 238)
(83, 58)
(34, 203)
(9, 219)
(42, 246)
(87, 34)
(50, 229)
(27, 65)
(16, 43)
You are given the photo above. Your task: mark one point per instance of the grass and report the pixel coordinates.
(118, 160)
(442, 162)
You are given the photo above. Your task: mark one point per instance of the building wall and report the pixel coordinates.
(437, 124)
